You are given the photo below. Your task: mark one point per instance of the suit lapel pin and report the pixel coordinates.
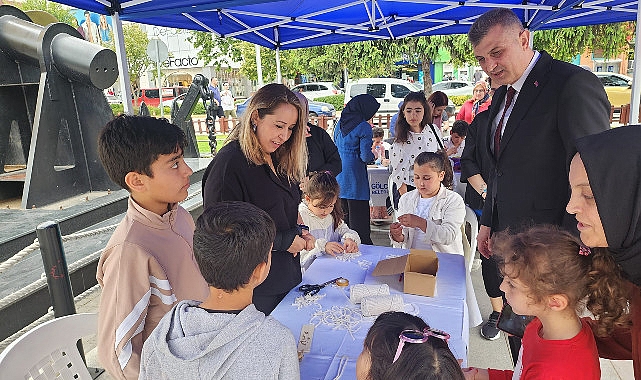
(536, 83)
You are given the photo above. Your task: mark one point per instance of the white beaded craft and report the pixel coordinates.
(308, 300)
(339, 318)
(348, 256)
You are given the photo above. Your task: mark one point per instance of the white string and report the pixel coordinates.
(359, 291)
(392, 256)
(348, 256)
(339, 318)
(375, 305)
(364, 264)
(341, 367)
(307, 300)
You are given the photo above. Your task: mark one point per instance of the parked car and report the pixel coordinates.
(315, 108)
(454, 87)
(315, 90)
(151, 96)
(112, 99)
(388, 91)
(618, 87)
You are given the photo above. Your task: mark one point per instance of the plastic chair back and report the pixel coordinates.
(49, 351)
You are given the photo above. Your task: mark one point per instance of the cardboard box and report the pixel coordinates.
(419, 269)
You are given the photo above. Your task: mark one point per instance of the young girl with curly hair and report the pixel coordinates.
(550, 275)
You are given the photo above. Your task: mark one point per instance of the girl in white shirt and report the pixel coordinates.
(323, 215)
(430, 215)
(414, 135)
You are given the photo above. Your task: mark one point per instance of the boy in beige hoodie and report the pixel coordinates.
(148, 264)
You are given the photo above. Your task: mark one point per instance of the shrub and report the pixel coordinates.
(458, 100)
(336, 100)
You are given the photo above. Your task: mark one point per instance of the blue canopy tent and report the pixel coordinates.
(291, 24)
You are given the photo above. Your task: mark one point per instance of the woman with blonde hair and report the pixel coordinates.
(262, 162)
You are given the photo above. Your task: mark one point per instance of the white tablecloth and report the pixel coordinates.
(446, 311)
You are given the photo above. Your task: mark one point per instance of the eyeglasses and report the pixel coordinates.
(417, 336)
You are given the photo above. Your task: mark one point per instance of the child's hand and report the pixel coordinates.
(310, 240)
(472, 373)
(350, 246)
(396, 231)
(334, 248)
(452, 150)
(413, 221)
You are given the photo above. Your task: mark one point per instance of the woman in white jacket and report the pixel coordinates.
(431, 216)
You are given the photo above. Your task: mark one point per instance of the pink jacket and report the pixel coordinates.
(147, 266)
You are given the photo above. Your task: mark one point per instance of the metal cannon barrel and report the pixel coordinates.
(74, 57)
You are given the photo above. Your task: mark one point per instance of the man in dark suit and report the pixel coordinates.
(541, 107)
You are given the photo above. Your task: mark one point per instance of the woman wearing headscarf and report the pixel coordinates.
(480, 102)
(605, 179)
(353, 138)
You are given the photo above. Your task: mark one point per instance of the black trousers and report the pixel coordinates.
(491, 277)
(357, 218)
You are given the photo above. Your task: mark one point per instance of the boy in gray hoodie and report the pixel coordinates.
(224, 337)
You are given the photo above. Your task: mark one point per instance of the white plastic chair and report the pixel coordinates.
(474, 312)
(470, 218)
(49, 351)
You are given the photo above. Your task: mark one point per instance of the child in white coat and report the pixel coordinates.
(431, 215)
(321, 212)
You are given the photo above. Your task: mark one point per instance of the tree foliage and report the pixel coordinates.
(56, 10)
(566, 43)
(216, 50)
(376, 58)
(138, 62)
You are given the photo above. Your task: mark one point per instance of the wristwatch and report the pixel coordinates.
(300, 228)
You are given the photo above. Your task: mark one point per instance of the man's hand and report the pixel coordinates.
(413, 221)
(396, 232)
(483, 241)
(297, 245)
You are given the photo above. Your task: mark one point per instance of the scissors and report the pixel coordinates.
(309, 289)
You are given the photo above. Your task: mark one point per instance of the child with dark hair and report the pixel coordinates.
(148, 264)
(323, 214)
(402, 346)
(379, 146)
(224, 336)
(431, 215)
(456, 143)
(414, 134)
(548, 274)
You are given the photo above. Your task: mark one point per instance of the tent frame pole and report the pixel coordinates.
(123, 67)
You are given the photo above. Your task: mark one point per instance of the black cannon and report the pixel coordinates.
(52, 108)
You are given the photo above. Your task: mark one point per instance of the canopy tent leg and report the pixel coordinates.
(123, 78)
(259, 66)
(279, 78)
(636, 81)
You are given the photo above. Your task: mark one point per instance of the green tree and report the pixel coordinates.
(56, 10)
(138, 62)
(566, 43)
(216, 50)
